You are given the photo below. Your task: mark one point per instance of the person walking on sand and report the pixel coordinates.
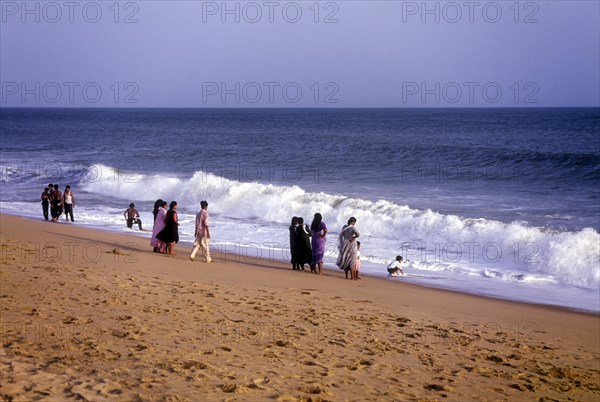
(170, 233)
(319, 230)
(45, 202)
(159, 225)
(347, 246)
(69, 203)
(50, 200)
(202, 233)
(57, 203)
(132, 216)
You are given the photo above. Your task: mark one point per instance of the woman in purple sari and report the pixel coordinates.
(319, 231)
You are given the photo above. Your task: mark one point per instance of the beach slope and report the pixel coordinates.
(92, 315)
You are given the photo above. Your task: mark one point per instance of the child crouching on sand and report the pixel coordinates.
(395, 269)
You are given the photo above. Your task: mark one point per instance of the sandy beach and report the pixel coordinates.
(89, 315)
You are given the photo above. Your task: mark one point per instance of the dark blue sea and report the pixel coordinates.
(501, 202)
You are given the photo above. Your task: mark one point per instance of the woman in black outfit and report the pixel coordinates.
(170, 234)
(293, 250)
(303, 249)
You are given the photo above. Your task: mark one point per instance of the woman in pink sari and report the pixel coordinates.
(159, 224)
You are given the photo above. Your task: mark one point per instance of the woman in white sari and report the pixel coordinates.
(347, 246)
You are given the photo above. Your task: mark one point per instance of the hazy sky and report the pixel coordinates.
(300, 53)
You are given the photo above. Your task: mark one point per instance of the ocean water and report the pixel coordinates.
(499, 202)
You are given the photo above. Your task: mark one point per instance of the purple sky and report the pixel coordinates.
(300, 54)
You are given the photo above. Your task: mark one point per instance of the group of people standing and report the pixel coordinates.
(57, 202)
(307, 243)
(307, 246)
(165, 233)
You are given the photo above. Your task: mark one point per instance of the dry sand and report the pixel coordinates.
(92, 315)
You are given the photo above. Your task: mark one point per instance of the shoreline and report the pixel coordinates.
(239, 258)
(96, 315)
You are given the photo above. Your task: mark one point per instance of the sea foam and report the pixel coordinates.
(437, 242)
